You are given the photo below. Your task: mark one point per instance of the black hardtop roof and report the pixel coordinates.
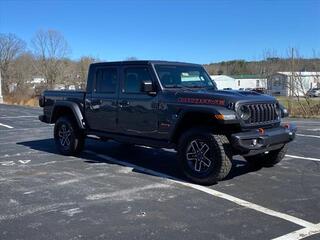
(143, 62)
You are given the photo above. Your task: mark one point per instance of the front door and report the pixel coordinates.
(101, 104)
(138, 114)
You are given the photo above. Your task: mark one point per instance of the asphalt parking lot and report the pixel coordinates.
(112, 191)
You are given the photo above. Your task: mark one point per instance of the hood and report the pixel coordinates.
(241, 95)
(224, 96)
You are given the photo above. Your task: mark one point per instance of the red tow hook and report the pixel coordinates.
(291, 128)
(287, 125)
(261, 131)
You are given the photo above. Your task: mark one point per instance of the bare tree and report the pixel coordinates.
(50, 48)
(83, 67)
(10, 48)
(298, 84)
(22, 71)
(69, 73)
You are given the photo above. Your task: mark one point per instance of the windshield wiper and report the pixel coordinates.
(176, 86)
(190, 87)
(203, 87)
(211, 88)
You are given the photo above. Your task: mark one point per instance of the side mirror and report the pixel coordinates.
(147, 87)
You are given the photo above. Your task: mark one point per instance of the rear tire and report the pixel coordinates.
(204, 158)
(68, 138)
(270, 159)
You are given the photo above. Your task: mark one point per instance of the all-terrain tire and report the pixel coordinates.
(270, 159)
(218, 153)
(68, 137)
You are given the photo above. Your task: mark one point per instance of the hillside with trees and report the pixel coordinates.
(47, 57)
(264, 67)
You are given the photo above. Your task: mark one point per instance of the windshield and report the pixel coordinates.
(178, 76)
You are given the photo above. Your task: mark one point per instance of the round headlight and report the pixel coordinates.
(244, 112)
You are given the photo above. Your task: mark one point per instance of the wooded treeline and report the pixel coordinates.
(47, 57)
(264, 67)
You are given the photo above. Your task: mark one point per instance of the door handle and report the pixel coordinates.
(97, 102)
(93, 101)
(87, 101)
(93, 104)
(124, 103)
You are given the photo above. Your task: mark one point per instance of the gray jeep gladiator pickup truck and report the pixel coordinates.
(170, 105)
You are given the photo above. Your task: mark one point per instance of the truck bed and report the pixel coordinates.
(51, 96)
(70, 95)
(64, 94)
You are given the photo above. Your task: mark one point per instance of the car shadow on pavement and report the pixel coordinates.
(43, 145)
(159, 160)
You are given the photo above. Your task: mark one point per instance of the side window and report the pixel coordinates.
(106, 80)
(133, 78)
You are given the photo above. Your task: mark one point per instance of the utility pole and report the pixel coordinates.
(1, 98)
(291, 83)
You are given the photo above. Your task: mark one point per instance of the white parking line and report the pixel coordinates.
(28, 129)
(305, 158)
(313, 129)
(28, 116)
(305, 135)
(18, 154)
(302, 233)
(4, 125)
(210, 191)
(304, 122)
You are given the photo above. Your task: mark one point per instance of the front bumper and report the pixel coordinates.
(262, 140)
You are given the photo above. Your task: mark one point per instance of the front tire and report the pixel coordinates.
(204, 158)
(270, 159)
(68, 138)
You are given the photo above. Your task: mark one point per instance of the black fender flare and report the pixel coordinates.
(74, 107)
(203, 110)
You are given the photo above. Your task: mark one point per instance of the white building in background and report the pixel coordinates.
(224, 81)
(241, 82)
(36, 81)
(249, 81)
(278, 83)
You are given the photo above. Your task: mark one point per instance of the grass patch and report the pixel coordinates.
(33, 102)
(301, 108)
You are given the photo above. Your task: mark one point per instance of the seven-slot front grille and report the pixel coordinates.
(262, 113)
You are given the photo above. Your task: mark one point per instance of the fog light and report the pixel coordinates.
(254, 142)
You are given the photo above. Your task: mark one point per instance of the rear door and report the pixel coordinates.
(138, 111)
(101, 104)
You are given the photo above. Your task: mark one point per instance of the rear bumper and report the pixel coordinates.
(255, 141)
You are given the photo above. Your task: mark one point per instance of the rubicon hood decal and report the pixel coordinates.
(205, 101)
